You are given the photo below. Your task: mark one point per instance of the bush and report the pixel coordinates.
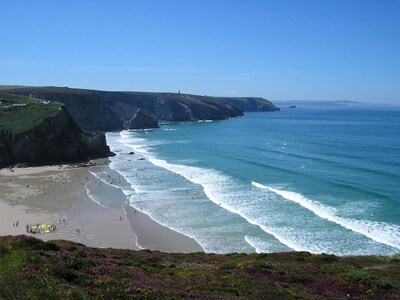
(64, 273)
(52, 246)
(230, 264)
(32, 243)
(4, 249)
(369, 280)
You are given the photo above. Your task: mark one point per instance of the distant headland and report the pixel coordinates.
(96, 110)
(49, 125)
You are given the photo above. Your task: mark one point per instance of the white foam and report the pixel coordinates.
(381, 232)
(205, 121)
(214, 184)
(104, 181)
(128, 192)
(94, 198)
(135, 188)
(259, 245)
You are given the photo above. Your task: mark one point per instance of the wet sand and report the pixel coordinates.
(57, 195)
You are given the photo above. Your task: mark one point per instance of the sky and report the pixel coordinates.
(279, 50)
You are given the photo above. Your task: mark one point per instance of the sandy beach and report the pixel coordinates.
(57, 195)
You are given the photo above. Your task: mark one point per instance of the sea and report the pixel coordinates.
(323, 179)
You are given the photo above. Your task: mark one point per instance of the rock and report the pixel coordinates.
(52, 139)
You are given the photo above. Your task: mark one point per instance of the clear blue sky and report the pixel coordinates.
(299, 49)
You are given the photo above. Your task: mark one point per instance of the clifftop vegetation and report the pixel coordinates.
(33, 269)
(19, 113)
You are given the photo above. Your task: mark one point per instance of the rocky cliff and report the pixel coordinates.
(44, 134)
(173, 107)
(107, 111)
(251, 104)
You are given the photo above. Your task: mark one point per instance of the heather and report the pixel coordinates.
(33, 269)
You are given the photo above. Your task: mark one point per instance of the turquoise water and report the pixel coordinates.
(316, 179)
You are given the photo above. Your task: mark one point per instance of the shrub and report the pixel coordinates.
(64, 273)
(369, 280)
(4, 249)
(52, 246)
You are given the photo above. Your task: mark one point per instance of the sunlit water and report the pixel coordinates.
(316, 179)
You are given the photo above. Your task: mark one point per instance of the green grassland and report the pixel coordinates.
(17, 120)
(33, 269)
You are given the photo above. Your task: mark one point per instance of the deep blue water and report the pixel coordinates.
(314, 179)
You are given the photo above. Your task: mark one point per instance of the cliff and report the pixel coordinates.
(251, 104)
(107, 111)
(38, 133)
(33, 269)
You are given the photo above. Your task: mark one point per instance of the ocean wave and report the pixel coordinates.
(205, 121)
(135, 189)
(93, 197)
(232, 196)
(259, 245)
(216, 186)
(105, 181)
(381, 232)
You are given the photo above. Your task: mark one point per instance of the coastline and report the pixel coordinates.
(57, 195)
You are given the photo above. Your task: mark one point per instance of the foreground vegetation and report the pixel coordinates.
(33, 269)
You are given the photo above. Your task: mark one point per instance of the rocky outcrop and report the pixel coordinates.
(56, 139)
(140, 120)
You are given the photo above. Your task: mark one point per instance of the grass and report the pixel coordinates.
(17, 120)
(62, 269)
(10, 259)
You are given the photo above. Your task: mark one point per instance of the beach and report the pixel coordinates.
(57, 195)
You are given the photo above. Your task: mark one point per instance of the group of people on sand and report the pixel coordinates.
(40, 228)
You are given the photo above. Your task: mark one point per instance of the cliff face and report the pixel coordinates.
(251, 104)
(53, 139)
(107, 111)
(170, 106)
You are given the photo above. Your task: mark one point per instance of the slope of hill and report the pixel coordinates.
(33, 269)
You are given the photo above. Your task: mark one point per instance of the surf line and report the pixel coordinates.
(364, 227)
(187, 171)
